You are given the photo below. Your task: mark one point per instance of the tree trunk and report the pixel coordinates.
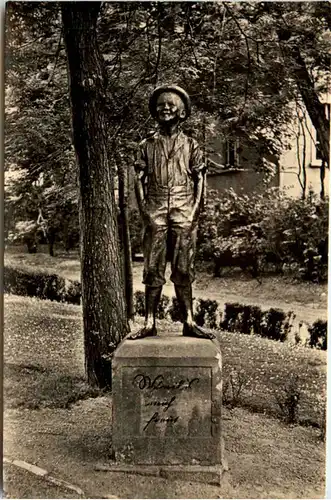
(322, 177)
(309, 96)
(126, 240)
(31, 244)
(105, 322)
(51, 241)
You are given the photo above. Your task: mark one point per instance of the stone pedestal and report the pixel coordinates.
(167, 394)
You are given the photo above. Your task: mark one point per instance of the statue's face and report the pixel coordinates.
(170, 108)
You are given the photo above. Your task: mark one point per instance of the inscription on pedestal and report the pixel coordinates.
(167, 401)
(167, 394)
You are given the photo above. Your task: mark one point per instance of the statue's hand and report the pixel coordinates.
(194, 216)
(146, 216)
(142, 209)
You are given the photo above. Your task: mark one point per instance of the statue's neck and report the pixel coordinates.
(169, 130)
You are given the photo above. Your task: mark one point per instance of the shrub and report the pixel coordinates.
(252, 319)
(257, 231)
(288, 399)
(305, 230)
(231, 317)
(206, 313)
(233, 387)
(276, 324)
(242, 318)
(139, 302)
(230, 230)
(175, 311)
(41, 285)
(73, 292)
(318, 334)
(163, 306)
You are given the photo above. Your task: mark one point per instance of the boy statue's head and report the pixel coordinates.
(169, 104)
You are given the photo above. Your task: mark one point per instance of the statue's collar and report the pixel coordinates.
(178, 137)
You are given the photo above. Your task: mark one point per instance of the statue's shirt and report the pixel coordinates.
(169, 162)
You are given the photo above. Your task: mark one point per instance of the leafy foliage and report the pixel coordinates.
(224, 54)
(233, 387)
(206, 313)
(318, 334)
(259, 230)
(273, 324)
(276, 324)
(288, 399)
(242, 318)
(41, 285)
(40, 164)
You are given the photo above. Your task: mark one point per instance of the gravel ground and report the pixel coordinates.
(267, 459)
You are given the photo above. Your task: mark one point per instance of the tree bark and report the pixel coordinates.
(126, 240)
(309, 96)
(105, 322)
(51, 241)
(322, 178)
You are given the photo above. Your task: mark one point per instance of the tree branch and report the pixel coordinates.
(248, 55)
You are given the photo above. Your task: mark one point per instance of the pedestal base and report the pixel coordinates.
(167, 399)
(211, 474)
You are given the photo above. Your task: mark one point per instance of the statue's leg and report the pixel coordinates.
(183, 240)
(154, 246)
(152, 299)
(190, 328)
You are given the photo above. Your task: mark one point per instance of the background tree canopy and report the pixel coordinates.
(81, 72)
(244, 65)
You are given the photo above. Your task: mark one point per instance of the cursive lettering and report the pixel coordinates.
(158, 383)
(166, 404)
(157, 419)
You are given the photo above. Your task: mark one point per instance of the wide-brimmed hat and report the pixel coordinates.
(169, 88)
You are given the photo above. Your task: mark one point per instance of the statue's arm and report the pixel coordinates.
(140, 168)
(199, 183)
(199, 173)
(139, 190)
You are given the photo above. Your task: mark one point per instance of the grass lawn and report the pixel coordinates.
(233, 286)
(44, 362)
(65, 264)
(308, 301)
(68, 426)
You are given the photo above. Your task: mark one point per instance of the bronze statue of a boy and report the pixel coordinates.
(169, 177)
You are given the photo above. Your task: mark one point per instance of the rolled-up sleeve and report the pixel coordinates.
(140, 163)
(197, 164)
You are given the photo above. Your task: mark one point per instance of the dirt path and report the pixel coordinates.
(307, 300)
(70, 443)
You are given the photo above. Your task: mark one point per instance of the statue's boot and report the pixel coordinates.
(146, 331)
(190, 329)
(152, 299)
(197, 332)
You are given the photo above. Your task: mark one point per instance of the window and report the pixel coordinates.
(231, 153)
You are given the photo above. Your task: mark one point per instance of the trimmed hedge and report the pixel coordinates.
(318, 334)
(41, 285)
(274, 324)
